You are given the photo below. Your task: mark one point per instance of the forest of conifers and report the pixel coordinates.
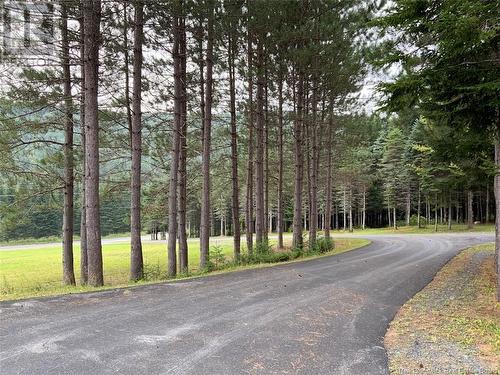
(242, 118)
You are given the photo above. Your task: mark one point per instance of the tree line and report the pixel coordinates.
(227, 117)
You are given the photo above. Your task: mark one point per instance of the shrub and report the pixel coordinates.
(413, 220)
(324, 245)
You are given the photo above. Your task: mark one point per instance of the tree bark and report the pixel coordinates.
(328, 201)
(67, 256)
(418, 208)
(182, 178)
(136, 261)
(175, 153)
(470, 211)
(92, 18)
(279, 217)
(487, 202)
(497, 204)
(350, 210)
(235, 200)
(259, 160)
(207, 130)
(363, 221)
(449, 212)
(249, 193)
(297, 241)
(313, 203)
(83, 220)
(408, 207)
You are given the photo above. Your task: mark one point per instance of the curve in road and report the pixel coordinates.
(322, 316)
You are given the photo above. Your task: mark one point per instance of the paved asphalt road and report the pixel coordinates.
(322, 316)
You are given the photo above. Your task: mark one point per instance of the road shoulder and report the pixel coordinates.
(453, 325)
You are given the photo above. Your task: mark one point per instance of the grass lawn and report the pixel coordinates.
(428, 229)
(38, 272)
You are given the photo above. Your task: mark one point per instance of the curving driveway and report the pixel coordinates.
(322, 316)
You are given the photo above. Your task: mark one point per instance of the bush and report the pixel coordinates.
(423, 220)
(324, 245)
(217, 257)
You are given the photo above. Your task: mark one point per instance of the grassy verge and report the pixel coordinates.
(453, 325)
(38, 272)
(428, 229)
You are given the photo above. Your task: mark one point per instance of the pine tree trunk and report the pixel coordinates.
(497, 204)
(363, 225)
(470, 212)
(487, 202)
(418, 208)
(83, 220)
(126, 71)
(279, 224)
(328, 202)
(235, 200)
(436, 215)
(92, 18)
(182, 183)
(249, 228)
(207, 135)
(350, 210)
(259, 160)
(136, 261)
(297, 241)
(313, 204)
(266, 154)
(175, 153)
(408, 207)
(67, 257)
(449, 212)
(345, 210)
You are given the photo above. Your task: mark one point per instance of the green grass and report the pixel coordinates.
(428, 229)
(50, 239)
(38, 271)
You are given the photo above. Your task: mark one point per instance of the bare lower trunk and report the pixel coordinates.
(259, 160)
(418, 208)
(249, 193)
(470, 212)
(136, 261)
(235, 200)
(313, 204)
(298, 168)
(175, 154)
(487, 202)
(207, 135)
(279, 224)
(497, 203)
(67, 258)
(394, 221)
(328, 201)
(83, 220)
(92, 17)
(350, 210)
(408, 207)
(435, 215)
(449, 212)
(363, 221)
(182, 183)
(345, 210)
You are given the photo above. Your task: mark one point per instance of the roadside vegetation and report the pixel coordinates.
(453, 325)
(30, 273)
